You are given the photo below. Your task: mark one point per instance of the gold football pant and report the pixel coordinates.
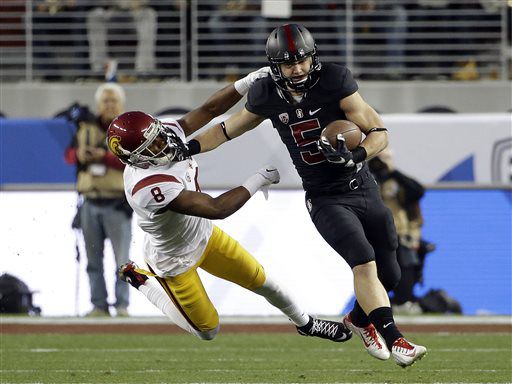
(223, 257)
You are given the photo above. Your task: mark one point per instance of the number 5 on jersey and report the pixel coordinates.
(310, 155)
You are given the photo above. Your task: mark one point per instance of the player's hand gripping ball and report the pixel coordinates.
(336, 141)
(350, 131)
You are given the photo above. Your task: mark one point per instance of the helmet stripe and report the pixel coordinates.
(289, 38)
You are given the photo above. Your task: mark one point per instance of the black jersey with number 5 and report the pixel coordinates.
(299, 123)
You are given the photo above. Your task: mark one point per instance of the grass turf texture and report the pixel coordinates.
(245, 358)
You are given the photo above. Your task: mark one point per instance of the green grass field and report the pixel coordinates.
(246, 358)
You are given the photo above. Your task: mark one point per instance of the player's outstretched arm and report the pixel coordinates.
(203, 205)
(220, 102)
(236, 125)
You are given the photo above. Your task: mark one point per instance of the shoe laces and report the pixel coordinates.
(370, 334)
(324, 327)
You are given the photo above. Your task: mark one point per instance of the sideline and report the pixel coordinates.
(159, 325)
(409, 320)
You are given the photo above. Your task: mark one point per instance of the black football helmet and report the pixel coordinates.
(290, 43)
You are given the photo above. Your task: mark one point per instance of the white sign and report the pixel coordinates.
(279, 9)
(38, 246)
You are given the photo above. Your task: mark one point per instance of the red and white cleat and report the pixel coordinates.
(373, 342)
(128, 272)
(406, 353)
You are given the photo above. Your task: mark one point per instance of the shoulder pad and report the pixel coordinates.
(332, 76)
(337, 80)
(260, 91)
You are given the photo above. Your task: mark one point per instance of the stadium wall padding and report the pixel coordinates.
(43, 100)
(470, 148)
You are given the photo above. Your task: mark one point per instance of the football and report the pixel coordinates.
(351, 133)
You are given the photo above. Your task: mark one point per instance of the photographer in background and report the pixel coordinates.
(105, 212)
(402, 194)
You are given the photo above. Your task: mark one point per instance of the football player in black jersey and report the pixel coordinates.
(301, 98)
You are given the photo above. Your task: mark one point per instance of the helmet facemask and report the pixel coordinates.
(162, 146)
(286, 83)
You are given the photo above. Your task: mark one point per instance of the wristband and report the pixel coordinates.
(377, 130)
(359, 154)
(254, 183)
(223, 126)
(194, 147)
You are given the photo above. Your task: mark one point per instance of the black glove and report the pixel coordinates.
(193, 147)
(341, 155)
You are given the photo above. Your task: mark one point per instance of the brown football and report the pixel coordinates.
(351, 133)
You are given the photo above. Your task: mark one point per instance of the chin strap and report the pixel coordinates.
(285, 95)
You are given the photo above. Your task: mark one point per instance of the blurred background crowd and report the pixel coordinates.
(150, 40)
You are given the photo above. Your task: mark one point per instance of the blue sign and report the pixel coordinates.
(32, 151)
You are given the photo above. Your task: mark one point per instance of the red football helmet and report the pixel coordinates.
(141, 140)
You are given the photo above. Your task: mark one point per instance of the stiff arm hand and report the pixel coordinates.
(242, 86)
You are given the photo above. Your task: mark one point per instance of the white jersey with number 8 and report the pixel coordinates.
(173, 242)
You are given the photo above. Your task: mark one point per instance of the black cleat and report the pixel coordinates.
(127, 272)
(325, 329)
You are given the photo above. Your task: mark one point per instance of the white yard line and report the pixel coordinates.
(424, 319)
(224, 348)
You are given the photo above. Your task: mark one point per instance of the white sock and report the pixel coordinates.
(157, 296)
(276, 296)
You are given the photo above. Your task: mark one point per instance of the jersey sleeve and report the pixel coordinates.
(349, 85)
(338, 81)
(257, 97)
(156, 191)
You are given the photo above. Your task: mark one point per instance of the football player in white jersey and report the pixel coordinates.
(162, 188)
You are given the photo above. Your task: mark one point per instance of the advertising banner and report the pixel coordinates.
(474, 149)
